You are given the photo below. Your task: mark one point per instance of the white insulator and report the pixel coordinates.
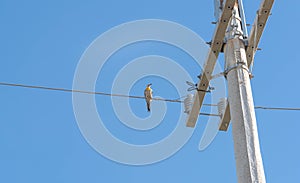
(188, 103)
(222, 105)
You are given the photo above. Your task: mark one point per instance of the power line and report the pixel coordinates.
(129, 96)
(85, 92)
(277, 108)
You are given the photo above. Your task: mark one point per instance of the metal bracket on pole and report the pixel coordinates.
(242, 15)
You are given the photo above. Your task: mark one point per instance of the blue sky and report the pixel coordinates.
(41, 44)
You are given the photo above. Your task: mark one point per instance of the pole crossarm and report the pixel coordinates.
(216, 46)
(257, 29)
(256, 32)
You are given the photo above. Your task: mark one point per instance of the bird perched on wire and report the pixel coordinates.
(148, 96)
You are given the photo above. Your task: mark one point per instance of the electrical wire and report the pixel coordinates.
(277, 108)
(85, 92)
(130, 96)
(208, 114)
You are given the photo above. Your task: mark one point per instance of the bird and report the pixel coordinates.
(148, 96)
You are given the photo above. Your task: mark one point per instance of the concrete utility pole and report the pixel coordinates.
(249, 164)
(231, 32)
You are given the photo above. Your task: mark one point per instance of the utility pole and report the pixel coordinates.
(239, 50)
(249, 164)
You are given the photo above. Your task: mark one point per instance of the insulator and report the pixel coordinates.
(222, 105)
(188, 103)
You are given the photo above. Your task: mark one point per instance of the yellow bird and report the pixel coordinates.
(148, 96)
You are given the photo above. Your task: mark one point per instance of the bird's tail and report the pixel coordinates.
(148, 106)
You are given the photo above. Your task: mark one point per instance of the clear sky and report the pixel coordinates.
(42, 43)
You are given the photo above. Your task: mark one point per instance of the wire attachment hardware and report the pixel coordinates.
(195, 87)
